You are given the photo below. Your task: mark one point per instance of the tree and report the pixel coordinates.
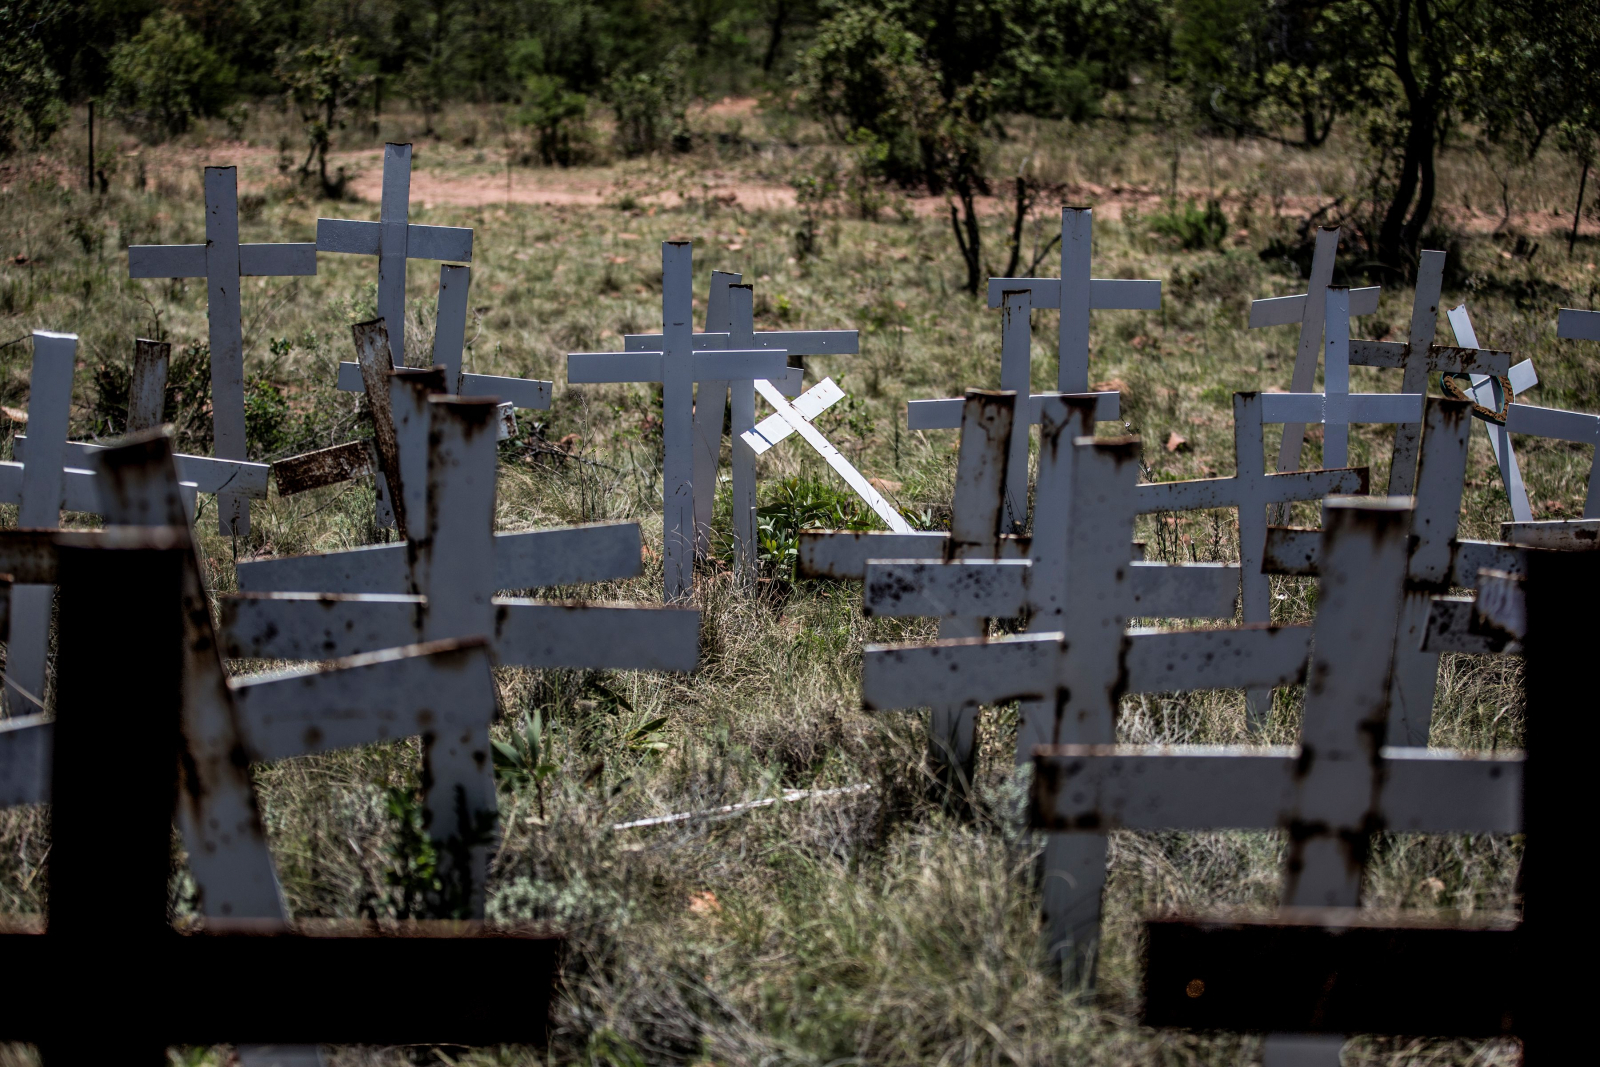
(323, 82)
(166, 77)
(927, 82)
(29, 105)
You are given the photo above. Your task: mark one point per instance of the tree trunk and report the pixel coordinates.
(1023, 202)
(1577, 212)
(780, 15)
(969, 241)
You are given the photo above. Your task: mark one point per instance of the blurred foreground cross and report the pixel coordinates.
(137, 731)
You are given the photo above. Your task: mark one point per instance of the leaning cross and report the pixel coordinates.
(223, 261)
(677, 366)
(394, 240)
(1070, 680)
(1308, 309)
(56, 474)
(1076, 294)
(1334, 789)
(452, 581)
(1336, 407)
(1491, 396)
(730, 323)
(449, 343)
(1016, 374)
(151, 759)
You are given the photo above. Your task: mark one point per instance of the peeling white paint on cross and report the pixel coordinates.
(455, 566)
(1332, 790)
(1251, 491)
(1071, 680)
(223, 261)
(1336, 407)
(1076, 294)
(677, 366)
(52, 474)
(1016, 375)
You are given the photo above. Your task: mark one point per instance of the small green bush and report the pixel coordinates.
(559, 119)
(166, 77)
(796, 504)
(1191, 227)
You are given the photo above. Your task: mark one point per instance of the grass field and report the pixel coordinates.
(866, 928)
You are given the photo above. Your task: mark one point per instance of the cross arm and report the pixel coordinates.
(25, 760)
(843, 554)
(166, 261)
(1358, 407)
(246, 998)
(1552, 422)
(422, 242)
(1441, 358)
(811, 403)
(1578, 325)
(1134, 787)
(945, 413)
(531, 633)
(526, 393)
(1456, 625)
(999, 589)
(709, 365)
(527, 559)
(1297, 551)
(443, 688)
(1334, 972)
(1170, 661)
(206, 474)
(1290, 310)
(78, 489)
(1107, 294)
(960, 671)
(317, 626)
(793, 342)
(1565, 535)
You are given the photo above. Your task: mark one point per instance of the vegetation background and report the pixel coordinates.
(866, 166)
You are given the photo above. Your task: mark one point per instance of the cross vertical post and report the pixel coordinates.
(49, 401)
(1305, 353)
(1424, 320)
(1016, 345)
(742, 409)
(147, 391)
(1490, 394)
(710, 401)
(223, 261)
(677, 417)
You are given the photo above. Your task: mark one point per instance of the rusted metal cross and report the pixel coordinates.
(223, 262)
(1071, 680)
(678, 365)
(1333, 971)
(1333, 790)
(145, 741)
(450, 573)
(56, 474)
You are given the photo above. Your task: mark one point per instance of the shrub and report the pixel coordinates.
(1190, 227)
(29, 106)
(559, 119)
(796, 504)
(166, 77)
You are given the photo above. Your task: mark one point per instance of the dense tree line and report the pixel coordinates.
(919, 86)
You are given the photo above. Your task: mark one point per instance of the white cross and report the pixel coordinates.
(1336, 407)
(1331, 790)
(1070, 680)
(53, 474)
(222, 261)
(730, 323)
(1016, 374)
(1437, 560)
(1490, 394)
(426, 690)
(452, 580)
(394, 240)
(1076, 294)
(677, 366)
(1309, 310)
(1251, 491)
(449, 342)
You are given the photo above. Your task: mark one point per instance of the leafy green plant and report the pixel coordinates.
(1190, 226)
(651, 109)
(30, 104)
(796, 504)
(165, 77)
(524, 760)
(559, 119)
(426, 878)
(322, 81)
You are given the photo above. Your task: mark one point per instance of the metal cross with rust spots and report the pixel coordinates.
(1337, 786)
(173, 747)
